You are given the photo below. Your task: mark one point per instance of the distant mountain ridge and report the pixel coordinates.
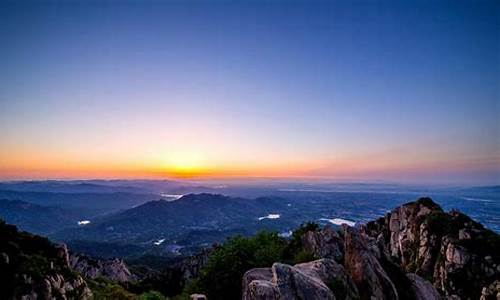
(36, 218)
(87, 205)
(98, 186)
(195, 221)
(173, 220)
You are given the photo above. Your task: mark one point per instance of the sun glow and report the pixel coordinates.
(184, 164)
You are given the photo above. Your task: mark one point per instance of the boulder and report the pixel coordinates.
(326, 243)
(422, 289)
(114, 269)
(365, 269)
(314, 280)
(491, 292)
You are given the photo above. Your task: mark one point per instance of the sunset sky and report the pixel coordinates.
(337, 90)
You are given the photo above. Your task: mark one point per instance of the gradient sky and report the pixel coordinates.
(343, 90)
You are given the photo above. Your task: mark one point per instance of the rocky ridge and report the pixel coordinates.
(32, 267)
(417, 251)
(310, 280)
(114, 269)
(458, 255)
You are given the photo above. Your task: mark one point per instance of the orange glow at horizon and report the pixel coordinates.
(195, 164)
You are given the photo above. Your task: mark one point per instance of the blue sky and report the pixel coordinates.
(341, 89)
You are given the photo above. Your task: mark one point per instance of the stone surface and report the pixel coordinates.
(365, 269)
(491, 292)
(113, 269)
(326, 243)
(423, 289)
(334, 275)
(313, 280)
(452, 250)
(56, 286)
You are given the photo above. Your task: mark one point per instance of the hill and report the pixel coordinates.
(193, 219)
(36, 218)
(33, 267)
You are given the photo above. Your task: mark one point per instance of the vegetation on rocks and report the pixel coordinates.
(103, 288)
(27, 261)
(221, 277)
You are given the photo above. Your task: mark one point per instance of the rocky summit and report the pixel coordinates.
(417, 251)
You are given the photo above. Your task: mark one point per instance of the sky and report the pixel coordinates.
(341, 90)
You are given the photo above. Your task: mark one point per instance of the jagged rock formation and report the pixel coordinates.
(113, 269)
(491, 292)
(417, 251)
(190, 267)
(325, 243)
(171, 280)
(314, 280)
(31, 267)
(365, 269)
(456, 253)
(422, 288)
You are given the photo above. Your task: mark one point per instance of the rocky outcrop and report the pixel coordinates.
(491, 292)
(365, 269)
(257, 284)
(321, 279)
(407, 236)
(417, 251)
(458, 255)
(32, 267)
(55, 286)
(334, 275)
(325, 243)
(112, 269)
(174, 277)
(190, 267)
(422, 289)
(459, 272)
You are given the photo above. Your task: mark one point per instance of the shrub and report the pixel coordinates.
(221, 277)
(152, 295)
(294, 253)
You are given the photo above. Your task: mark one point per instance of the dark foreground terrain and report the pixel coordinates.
(417, 251)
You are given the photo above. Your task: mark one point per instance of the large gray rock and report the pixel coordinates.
(258, 275)
(292, 283)
(326, 243)
(114, 269)
(406, 232)
(407, 236)
(455, 260)
(314, 280)
(422, 289)
(491, 292)
(56, 286)
(365, 269)
(334, 275)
